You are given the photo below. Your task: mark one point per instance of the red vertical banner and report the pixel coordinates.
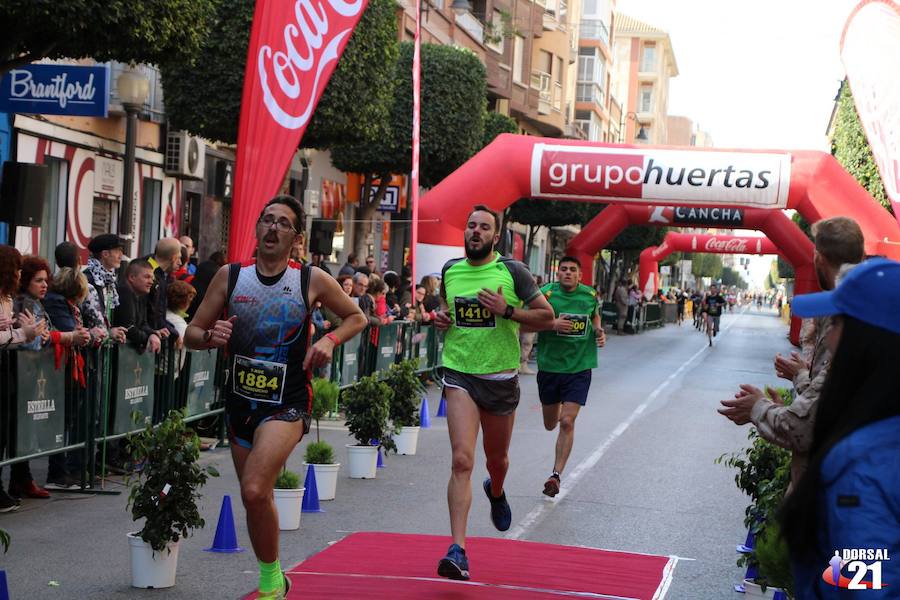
(414, 171)
(294, 49)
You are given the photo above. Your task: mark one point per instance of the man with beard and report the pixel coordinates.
(566, 356)
(265, 334)
(838, 241)
(482, 296)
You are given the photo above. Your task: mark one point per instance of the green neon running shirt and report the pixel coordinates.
(479, 342)
(576, 351)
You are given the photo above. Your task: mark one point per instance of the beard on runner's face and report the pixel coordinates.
(483, 248)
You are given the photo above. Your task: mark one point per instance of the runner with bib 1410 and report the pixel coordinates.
(482, 296)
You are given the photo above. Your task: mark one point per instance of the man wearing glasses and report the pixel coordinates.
(258, 312)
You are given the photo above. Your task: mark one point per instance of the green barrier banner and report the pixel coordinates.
(350, 363)
(201, 391)
(421, 348)
(134, 388)
(387, 346)
(40, 403)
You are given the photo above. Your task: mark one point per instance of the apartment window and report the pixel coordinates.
(518, 59)
(646, 103)
(648, 57)
(545, 61)
(104, 216)
(586, 64)
(558, 73)
(498, 46)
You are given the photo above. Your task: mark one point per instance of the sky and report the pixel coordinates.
(753, 73)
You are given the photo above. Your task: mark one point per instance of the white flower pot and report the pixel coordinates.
(289, 504)
(326, 479)
(754, 591)
(362, 461)
(406, 440)
(149, 570)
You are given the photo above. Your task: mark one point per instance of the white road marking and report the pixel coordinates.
(539, 512)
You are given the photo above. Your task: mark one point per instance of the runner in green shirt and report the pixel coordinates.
(481, 308)
(566, 355)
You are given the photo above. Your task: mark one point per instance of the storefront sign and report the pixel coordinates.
(107, 177)
(56, 90)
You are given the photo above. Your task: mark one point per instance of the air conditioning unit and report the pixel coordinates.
(185, 155)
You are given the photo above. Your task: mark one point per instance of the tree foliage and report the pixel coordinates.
(785, 270)
(355, 102)
(454, 89)
(149, 31)
(851, 148)
(731, 277)
(495, 124)
(706, 265)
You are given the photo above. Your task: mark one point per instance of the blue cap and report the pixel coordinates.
(869, 293)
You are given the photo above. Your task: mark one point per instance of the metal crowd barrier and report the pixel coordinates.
(44, 410)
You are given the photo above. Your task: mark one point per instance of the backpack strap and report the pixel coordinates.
(234, 271)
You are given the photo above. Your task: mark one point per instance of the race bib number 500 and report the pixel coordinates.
(468, 312)
(258, 380)
(579, 325)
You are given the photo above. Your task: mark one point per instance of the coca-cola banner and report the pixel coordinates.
(870, 56)
(294, 48)
(714, 244)
(754, 179)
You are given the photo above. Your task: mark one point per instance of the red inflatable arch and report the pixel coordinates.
(514, 167)
(783, 233)
(697, 243)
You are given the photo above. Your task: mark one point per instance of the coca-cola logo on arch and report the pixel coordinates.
(291, 74)
(731, 246)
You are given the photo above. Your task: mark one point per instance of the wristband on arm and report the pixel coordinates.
(333, 338)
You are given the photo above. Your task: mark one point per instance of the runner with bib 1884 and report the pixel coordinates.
(566, 356)
(481, 308)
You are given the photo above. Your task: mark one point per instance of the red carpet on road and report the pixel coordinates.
(404, 567)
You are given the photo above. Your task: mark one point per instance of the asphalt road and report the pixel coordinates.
(641, 478)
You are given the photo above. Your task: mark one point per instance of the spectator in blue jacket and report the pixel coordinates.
(849, 497)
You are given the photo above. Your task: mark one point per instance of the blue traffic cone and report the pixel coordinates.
(380, 463)
(226, 537)
(424, 417)
(311, 495)
(442, 407)
(747, 546)
(4, 591)
(751, 574)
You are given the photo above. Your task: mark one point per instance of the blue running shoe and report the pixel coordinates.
(501, 515)
(455, 565)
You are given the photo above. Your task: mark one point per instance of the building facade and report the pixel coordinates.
(643, 61)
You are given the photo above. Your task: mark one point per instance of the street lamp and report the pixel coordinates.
(133, 89)
(461, 6)
(641, 134)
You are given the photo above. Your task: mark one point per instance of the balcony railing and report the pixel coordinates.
(540, 81)
(594, 29)
(473, 26)
(587, 91)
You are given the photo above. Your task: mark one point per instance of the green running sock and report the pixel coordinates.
(270, 577)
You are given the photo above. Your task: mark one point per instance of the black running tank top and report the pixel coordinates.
(269, 340)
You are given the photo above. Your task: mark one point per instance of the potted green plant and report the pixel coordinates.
(288, 500)
(321, 456)
(367, 406)
(164, 492)
(404, 412)
(325, 396)
(763, 474)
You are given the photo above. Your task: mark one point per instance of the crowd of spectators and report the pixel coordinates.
(73, 308)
